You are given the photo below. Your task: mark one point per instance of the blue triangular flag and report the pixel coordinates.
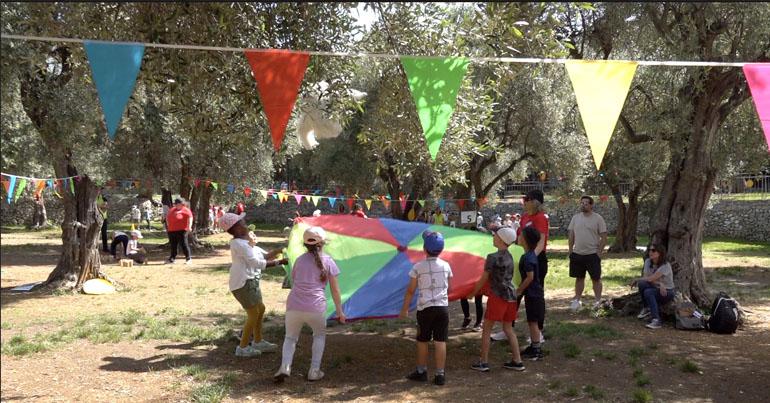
(332, 200)
(114, 67)
(441, 204)
(230, 187)
(11, 185)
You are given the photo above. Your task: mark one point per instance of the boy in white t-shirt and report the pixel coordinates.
(431, 277)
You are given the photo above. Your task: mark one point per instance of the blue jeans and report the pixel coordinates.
(651, 297)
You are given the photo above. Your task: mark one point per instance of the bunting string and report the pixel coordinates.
(366, 54)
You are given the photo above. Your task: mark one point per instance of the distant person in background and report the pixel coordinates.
(212, 215)
(480, 222)
(438, 217)
(101, 204)
(119, 237)
(240, 208)
(516, 222)
(507, 222)
(147, 213)
(358, 211)
(134, 252)
(136, 215)
(179, 222)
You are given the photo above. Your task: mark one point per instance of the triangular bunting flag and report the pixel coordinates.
(600, 87)
(114, 67)
(275, 196)
(20, 189)
(247, 191)
(137, 184)
(6, 184)
(411, 215)
(461, 204)
(368, 203)
(332, 200)
(386, 203)
(403, 202)
(758, 76)
(215, 185)
(434, 83)
(314, 199)
(298, 198)
(230, 188)
(350, 203)
(263, 193)
(39, 188)
(482, 202)
(9, 189)
(422, 202)
(279, 74)
(441, 204)
(198, 182)
(72, 186)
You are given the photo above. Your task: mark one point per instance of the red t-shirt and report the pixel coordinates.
(539, 221)
(178, 218)
(239, 208)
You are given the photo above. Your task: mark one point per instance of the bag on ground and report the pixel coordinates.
(688, 317)
(724, 315)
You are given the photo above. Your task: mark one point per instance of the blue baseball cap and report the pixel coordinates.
(433, 242)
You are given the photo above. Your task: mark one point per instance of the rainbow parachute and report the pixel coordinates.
(375, 256)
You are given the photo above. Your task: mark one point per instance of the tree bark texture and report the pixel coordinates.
(628, 220)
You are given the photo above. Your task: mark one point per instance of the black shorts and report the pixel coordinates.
(579, 264)
(535, 308)
(433, 322)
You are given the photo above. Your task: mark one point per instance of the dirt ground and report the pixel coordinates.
(363, 361)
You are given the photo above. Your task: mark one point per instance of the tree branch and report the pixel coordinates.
(631, 134)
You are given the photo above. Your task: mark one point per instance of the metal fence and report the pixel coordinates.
(738, 187)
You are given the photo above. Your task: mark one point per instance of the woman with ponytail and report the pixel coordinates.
(306, 303)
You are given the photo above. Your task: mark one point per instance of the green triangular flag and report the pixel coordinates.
(434, 83)
(215, 185)
(72, 185)
(20, 188)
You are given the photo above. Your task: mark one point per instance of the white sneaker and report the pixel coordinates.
(654, 324)
(575, 305)
(314, 375)
(247, 351)
(499, 336)
(542, 339)
(597, 304)
(264, 346)
(188, 261)
(644, 313)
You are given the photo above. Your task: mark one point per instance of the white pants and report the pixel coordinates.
(294, 321)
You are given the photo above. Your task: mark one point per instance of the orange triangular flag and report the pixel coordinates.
(279, 74)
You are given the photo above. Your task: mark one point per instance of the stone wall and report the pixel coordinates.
(749, 220)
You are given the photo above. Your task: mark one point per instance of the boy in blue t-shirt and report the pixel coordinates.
(530, 287)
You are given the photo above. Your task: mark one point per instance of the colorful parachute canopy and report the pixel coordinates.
(374, 273)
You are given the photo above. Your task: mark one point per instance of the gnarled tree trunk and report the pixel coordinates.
(628, 219)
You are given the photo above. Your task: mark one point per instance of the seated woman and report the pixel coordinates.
(656, 286)
(133, 251)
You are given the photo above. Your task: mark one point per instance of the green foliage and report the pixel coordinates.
(689, 367)
(641, 396)
(571, 350)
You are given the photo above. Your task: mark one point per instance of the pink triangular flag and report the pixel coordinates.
(758, 77)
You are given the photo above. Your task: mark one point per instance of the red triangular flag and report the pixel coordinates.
(6, 185)
(350, 203)
(461, 204)
(247, 191)
(197, 182)
(279, 74)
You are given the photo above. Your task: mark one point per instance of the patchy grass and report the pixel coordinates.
(196, 371)
(127, 325)
(572, 391)
(594, 392)
(565, 330)
(216, 391)
(571, 350)
(607, 355)
(689, 367)
(641, 396)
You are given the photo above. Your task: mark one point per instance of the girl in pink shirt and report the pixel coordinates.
(306, 303)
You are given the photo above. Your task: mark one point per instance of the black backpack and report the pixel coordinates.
(724, 315)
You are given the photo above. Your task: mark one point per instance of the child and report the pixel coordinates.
(245, 272)
(530, 287)
(501, 299)
(432, 277)
(306, 303)
(134, 252)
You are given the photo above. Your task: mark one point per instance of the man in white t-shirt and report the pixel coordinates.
(480, 222)
(587, 238)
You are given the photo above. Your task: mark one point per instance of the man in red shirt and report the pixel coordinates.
(239, 208)
(179, 222)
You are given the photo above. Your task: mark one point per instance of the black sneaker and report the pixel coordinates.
(516, 366)
(418, 376)
(532, 353)
(439, 379)
(480, 366)
(466, 322)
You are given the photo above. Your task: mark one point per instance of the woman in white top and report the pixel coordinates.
(656, 286)
(248, 263)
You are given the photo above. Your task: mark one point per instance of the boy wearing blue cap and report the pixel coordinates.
(431, 276)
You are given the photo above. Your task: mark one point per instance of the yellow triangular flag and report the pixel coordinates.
(600, 87)
(411, 215)
(315, 199)
(132, 227)
(368, 203)
(263, 193)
